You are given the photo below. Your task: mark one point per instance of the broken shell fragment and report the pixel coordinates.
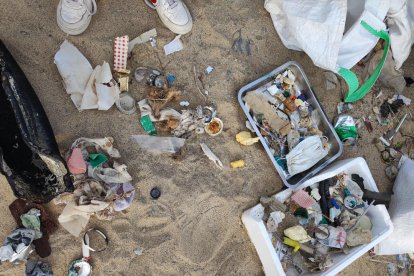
(245, 138)
(391, 172)
(393, 153)
(358, 236)
(385, 156)
(379, 145)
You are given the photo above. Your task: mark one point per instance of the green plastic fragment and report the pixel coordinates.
(345, 132)
(323, 221)
(148, 125)
(96, 159)
(351, 79)
(346, 192)
(301, 212)
(31, 220)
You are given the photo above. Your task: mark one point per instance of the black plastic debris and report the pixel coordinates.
(386, 107)
(155, 193)
(408, 81)
(29, 154)
(369, 196)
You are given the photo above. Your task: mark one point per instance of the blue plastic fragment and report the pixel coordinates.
(334, 203)
(302, 97)
(281, 162)
(170, 79)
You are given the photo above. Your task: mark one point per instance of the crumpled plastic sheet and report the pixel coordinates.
(101, 191)
(159, 144)
(306, 154)
(88, 89)
(38, 268)
(31, 220)
(104, 145)
(17, 245)
(92, 197)
(118, 174)
(80, 267)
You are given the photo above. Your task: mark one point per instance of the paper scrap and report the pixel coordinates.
(407, 101)
(175, 45)
(143, 38)
(120, 52)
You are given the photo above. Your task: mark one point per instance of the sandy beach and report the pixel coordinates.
(195, 227)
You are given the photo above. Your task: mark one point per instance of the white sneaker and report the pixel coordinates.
(74, 16)
(174, 14)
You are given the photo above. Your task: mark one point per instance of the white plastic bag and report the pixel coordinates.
(75, 70)
(328, 30)
(306, 154)
(88, 89)
(335, 34)
(401, 28)
(401, 211)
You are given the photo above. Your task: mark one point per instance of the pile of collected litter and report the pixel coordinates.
(314, 223)
(289, 124)
(156, 116)
(102, 185)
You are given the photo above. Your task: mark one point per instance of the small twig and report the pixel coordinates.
(196, 83)
(385, 262)
(159, 99)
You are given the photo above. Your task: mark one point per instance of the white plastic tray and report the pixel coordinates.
(381, 223)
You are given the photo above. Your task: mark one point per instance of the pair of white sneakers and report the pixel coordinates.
(74, 16)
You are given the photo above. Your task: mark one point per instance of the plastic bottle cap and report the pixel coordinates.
(155, 193)
(350, 202)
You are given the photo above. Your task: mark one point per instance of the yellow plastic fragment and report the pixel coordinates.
(237, 164)
(299, 102)
(245, 138)
(292, 243)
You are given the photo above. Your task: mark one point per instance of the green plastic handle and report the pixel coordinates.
(351, 79)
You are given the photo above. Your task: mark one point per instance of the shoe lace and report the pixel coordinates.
(83, 5)
(170, 4)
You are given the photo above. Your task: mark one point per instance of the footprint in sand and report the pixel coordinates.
(204, 229)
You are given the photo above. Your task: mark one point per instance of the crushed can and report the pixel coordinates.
(346, 129)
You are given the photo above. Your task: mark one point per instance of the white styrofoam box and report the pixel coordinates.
(381, 223)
